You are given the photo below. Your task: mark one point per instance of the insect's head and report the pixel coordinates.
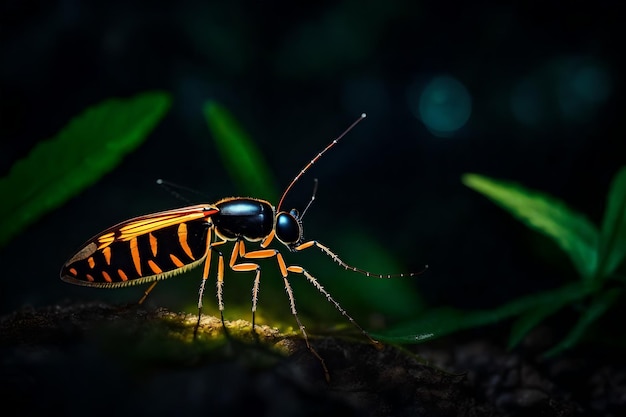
(289, 228)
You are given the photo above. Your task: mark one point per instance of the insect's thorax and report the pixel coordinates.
(248, 218)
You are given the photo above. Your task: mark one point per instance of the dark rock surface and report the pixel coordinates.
(98, 359)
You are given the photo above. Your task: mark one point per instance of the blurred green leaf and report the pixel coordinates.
(443, 321)
(613, 232)
(91, 144)
(435, 323)
(572, 231)
(542, 305)
(574, 234)
(242, 159)
(529, 320)
(590, 314)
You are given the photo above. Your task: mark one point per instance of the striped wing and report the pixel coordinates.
(143, 249)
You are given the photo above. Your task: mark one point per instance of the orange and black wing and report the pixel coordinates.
(143, 249)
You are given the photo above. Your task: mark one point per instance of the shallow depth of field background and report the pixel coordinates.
(532, 94)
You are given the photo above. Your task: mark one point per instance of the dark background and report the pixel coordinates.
(546, 88)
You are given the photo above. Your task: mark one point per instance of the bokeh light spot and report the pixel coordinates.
(444, 106)
(592, 83)
(582, 88)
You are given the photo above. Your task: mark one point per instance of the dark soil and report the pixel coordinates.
(98, 359)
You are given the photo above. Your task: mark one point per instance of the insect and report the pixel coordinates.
(156, 246)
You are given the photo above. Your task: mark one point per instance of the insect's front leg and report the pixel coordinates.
(284, 269)
(300, 270)
(240, 252)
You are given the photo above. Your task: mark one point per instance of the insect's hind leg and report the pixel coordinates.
(147, 291)
(220, 283)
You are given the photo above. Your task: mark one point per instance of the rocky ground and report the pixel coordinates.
(98, 359)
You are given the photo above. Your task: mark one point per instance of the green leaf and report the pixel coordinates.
(542, 305)
(613, 232)
(572, 231)
(528, 321)
(439, 322)
(91, 145)
(598, 307)
(241, 157)
(443, 321)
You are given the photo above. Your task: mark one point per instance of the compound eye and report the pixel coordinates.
(288, 230)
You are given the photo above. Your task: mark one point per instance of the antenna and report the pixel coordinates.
(171, 188)
(314, 160)
(311, 200)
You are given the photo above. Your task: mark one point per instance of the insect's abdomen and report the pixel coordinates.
(244, 217)
(109, 260)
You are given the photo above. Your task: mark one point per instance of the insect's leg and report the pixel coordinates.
(268, 239)
(219, 284)
(292, 302)
(239, 251)
(205, 276)
(269, 253)
(255, 296)
(299, 270)
(334, 257)
(147, 291)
